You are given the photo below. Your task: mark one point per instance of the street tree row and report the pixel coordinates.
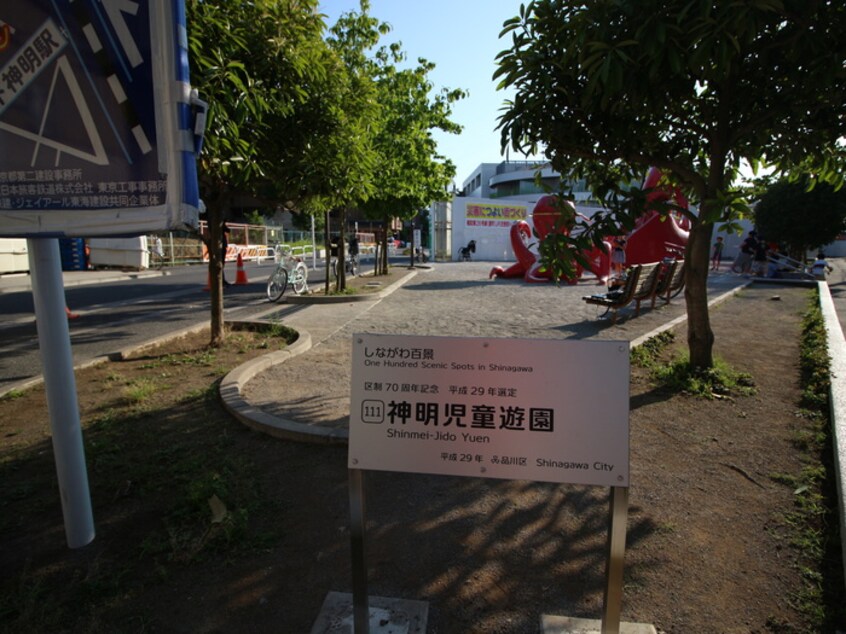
(311, 116)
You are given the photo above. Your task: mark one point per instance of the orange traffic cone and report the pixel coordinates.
(241, 274)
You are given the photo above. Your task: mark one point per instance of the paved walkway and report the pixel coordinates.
(303, 393)
(18, 282)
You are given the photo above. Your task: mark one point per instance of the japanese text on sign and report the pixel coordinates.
(42, 47)
(494, 215)
(552, 411)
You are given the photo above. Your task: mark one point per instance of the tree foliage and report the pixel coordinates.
(373, 149)
(696, 88)
(412, 174)
(308, 117)
(799, 218)
(250, 61)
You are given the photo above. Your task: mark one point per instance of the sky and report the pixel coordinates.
(461, 37)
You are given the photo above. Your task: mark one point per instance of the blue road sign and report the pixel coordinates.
(98, 122)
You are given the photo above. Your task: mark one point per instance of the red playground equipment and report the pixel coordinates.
(653, 238)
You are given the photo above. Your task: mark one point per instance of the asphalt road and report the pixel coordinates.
(118, 314)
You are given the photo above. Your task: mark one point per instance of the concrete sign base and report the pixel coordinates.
(551, 624)
(387, 616)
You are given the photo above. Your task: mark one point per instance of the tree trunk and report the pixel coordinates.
(342, 242)
(216, 215)
(384, 254)
(700, 337)
(376, 254)
(327, 242)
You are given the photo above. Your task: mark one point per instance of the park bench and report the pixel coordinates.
(672, 283)
(650, 277)
(614, 300)
(641, 284)
(667, 276)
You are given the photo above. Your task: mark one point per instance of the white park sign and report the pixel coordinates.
(517, 409)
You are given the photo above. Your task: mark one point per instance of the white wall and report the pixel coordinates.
(488, 221)
(13, 255)
(493, 241)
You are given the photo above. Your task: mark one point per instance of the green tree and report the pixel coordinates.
(411, 173)
(693, 87)
(799, 218)
(367, 144)
(251, 61)
(338, 159)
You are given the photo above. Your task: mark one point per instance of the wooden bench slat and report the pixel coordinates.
(642, 284)
(621, 300)
(650, 276)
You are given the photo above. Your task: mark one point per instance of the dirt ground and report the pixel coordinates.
(707, 546)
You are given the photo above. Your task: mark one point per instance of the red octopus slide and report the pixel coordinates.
(550, 215)
(652, 239)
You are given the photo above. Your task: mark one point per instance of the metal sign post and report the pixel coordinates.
(514, 409)
(358, 521)
(100, 129)
(60, 385)
(613, 600)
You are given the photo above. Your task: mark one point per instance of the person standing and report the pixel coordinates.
(820, 267)
(717, 254)
(743, 261)
(618, 257)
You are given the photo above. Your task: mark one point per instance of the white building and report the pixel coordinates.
(495, 195)
(516, 180)
(492, 198)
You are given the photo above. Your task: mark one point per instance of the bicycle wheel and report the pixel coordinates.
(299, 279)
(156, 261)
(276, 284)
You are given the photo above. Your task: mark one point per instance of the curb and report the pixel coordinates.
(253, 417)
(346, 299)
(837, 398)
(259, 420)
(81, 281)
(287, 429)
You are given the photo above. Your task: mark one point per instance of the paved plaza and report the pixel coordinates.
(312, 389)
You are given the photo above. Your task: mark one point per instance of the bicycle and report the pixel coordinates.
(289, 270)
(351, 265)
(464, 252)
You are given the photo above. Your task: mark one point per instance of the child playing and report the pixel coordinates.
(717, 255)
(618, 257)
(820, 267)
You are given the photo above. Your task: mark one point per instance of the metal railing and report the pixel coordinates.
(251, 242)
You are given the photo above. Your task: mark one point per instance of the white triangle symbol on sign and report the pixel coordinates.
(97, 153)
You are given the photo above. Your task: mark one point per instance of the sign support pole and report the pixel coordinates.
(60, 386)
(361, 607)
(613, 600)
